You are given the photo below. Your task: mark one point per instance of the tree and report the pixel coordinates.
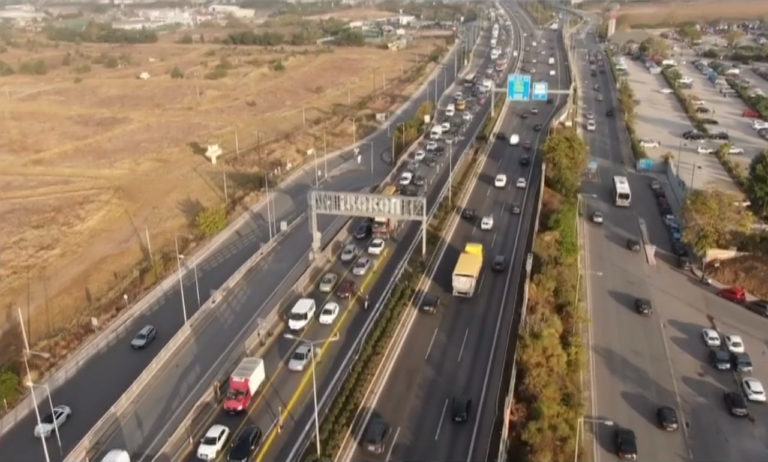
(712, 217)
(566, 157)
(689, 33)
(654, 46)
(177, 73)
(733, 36)
(211, 220)
(757, 182)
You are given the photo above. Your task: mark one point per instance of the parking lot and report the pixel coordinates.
(660, 118)
(755, 79)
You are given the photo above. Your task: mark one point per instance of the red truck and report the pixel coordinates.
(244, 382)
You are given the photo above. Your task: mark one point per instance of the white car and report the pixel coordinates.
(521, 183)
(213, 442)
(328, 314)
(445, 127)
(514, 139)
(705, 150)
(551, 72)
(432, 145)
(646, 143)
(50, 422)
(667, 91)
(500, 181)
(533, 60)
(736, 151)
(419, 155)
(349, 253)
(590, 115)
(757, 124)
(597, 218)
(753, 389)
(376, 246)
(467, 116)
(406, 178)
(711, 337)
(487, 223)
(734, 343)
(591, 126)
(302, 356)
(458, 95)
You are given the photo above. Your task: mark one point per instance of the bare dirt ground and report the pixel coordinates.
(676, 12)
(91, 160)
(748, 271)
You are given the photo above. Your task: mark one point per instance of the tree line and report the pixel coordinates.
(308, 35)
(96, 32)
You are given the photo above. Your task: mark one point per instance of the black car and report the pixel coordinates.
(430, 303)
(525, 161)
(409, 190)
(724, 136)
(609, 113)
(633, 245)
(461, 407)
(537, 127)
(741, 362)
(736, 404)
(684, 263)
(693, 135)
(758, 306)
(439, 150)
(515, 209)
(363, 231)
(499, 263)
(245, 444)
(419, 180)
(720, 359)
(550, 101)
(643, 306)
(524, 115)
(375, 437)
(430, 161)
(626, 443)
(667, 418)
(678, 248)
(468, 214)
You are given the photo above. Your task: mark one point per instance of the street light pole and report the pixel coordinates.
(579, 424)
(181, 283)
(29, 376)
(50, 403)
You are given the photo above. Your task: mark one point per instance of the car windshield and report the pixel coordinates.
(47, 419)
(141, 336)
(327, 311)
(327, 279)
(235, 394)
(209, 441)
(299, 355)
(736, 343)
(297, 316)
(361, 264)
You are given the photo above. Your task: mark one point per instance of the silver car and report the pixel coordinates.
(349, 253)
(362, 265)
(301, 357)
(145, 336)
(328, 283)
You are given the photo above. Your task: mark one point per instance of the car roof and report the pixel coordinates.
(668, 412)
(733, 338)
(331, 305)
(303, 348)
(146, 329)
(709, 330)
(215, 430)
(643, 301)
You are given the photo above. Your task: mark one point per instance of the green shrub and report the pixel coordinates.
(211, 221)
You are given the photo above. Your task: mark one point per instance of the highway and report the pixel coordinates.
(460, 350)
(638, 364)
(288, 390)
(177, 389)
(115, 369)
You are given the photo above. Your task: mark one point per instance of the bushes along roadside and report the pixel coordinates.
(626, 97)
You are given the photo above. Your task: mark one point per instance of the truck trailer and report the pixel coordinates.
(384, 227)
(467, 271)
(245, 381)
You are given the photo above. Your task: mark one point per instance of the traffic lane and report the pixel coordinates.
(282, 383)
(121, 365)
(180, 383)
(420, 397)
(632, 376)
(288, 385)
(213, 270)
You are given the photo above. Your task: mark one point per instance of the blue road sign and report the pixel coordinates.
(540, 90)
(519, 87)
(644, 165)
(592, 165)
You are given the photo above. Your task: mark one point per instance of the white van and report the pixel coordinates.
(450, 110)
(514, 139)
(301, 314)
(436, 132)
(117, 455)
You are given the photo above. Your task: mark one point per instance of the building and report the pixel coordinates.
(232, 10)
(21, 15)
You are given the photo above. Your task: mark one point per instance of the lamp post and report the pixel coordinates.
(197, 285)
(579, 424)
(181, 283)
(311, 344)
(28, 352)
(32, 387)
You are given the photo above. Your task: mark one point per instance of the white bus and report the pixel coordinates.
(622, 195)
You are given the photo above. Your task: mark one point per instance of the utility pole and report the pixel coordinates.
(237, 145)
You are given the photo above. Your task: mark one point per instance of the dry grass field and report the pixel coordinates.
(676, 12)
(92, 159)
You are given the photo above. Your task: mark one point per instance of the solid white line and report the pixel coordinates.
(493, 241)
(674, 386)
(480, 286)
(392, 446)
(463, 343)
(440, 423)
(590, 350)
(434, 334)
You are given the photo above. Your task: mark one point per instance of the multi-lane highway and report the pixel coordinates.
(176, 389)
(113, 370)
(640, 363)
(459, 350)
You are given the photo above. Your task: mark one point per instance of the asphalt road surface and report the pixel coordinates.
(114, 370)
(290, 390)
(638, 364)
(454, 353)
